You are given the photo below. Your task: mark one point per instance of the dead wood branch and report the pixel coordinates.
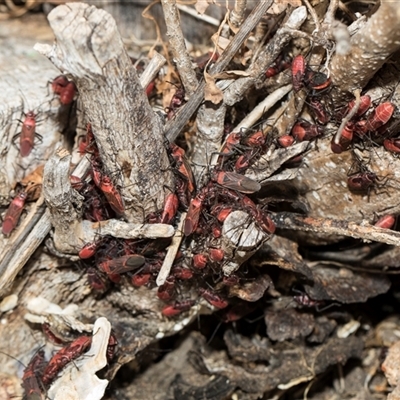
(70, 233)
(363, 231)
(237, 14)
(173, 128)
(178, 47)
(128, 132)
(27, 239)
(37, 224)
(372, 45)
(256, 71)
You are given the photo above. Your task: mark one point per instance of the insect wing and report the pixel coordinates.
(234, 181)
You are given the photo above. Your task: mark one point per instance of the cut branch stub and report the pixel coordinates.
(371, 46)
(128, 133)
(57, 189)
(58, 194)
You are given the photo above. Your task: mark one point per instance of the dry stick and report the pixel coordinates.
(173, 127)
(128, 132)
(171, 253)
(19, 11)
(152, 69)
(257, 70)
(177, 44)
(237, 15)
(202, 17)
(28, 237)
(257, 113)
(207, 141)
(314, 15)
(336, 227)
(377, 40)
(210, 120)
(330, 13)
(262, 108)
(349, 116)
(59, 197)
(343, 7)
(123, 230)
(36, 226)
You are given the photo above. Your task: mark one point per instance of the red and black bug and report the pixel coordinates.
(141, 279)
(316, 81)
(182, 273)
(298, 72)
(31, 380)
(111, 347)
(65, 356)
(319, 111)
(97, 280)
(111, 193)
(235, 181)
(392, 145)
(231, 143)
(64, 88)
(260, 217)
(200, 261)
(216, 255)
(27, 134)
(170, 208)
(345, 140)
(193, 216)
(213, 298)
(167, 291)
(221, 211)
(177, 308)
(285, 141)
(386, 221)
(177, 101)
(365, 104)
(182, 166)
(50, 335)
(122, 264)
(89, 250)
(59, 83)
(361, 182)
(380, 116)
(256, 139)
(13, 213)
(245, 160)
(304, 300)
(305, 131)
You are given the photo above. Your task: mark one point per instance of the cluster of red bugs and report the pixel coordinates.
(140, 260)
(208, 208)
(368, 125)
(316, 84)
(281, 63)
(66, 90)
(39, 374)
(366, 128)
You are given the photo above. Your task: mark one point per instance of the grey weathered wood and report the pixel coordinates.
(24, 87)
(128, 132)
(372, 45)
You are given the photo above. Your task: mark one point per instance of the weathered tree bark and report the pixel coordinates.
(178, 48)
(128, 132)
(371, 46)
